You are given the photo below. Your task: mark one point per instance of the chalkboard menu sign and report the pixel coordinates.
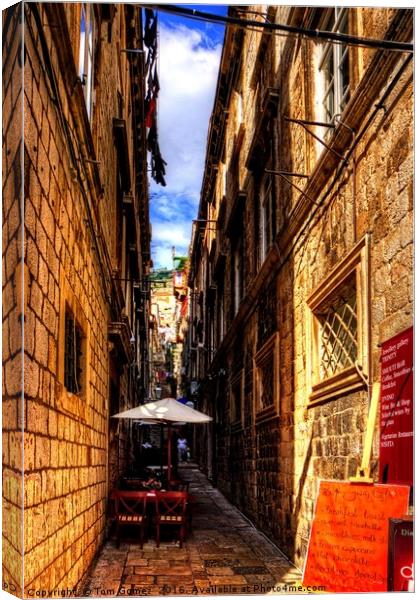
(348, 546)
(396, 442)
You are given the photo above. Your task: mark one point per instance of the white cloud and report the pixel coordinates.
(188, 73)
(189, 64)
(173, 207)
(167, 235)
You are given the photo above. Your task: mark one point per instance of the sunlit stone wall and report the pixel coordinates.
(270, 463)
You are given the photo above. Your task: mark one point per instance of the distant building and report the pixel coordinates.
(181, 293)
(302, 258)
(163, 307)
(169, 298)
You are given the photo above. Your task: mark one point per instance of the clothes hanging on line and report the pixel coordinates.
(150, 37)
(150, 108)
(150, 102)
(150, 29)
(158, 163)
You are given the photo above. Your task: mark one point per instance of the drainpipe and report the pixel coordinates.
(276, 162)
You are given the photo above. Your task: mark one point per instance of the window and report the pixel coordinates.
(237, 274)
(265, 219)
(73, 354)
(267, 380)
(223, 179)
(248, 387)
(338, 328)
(87, 22)
(220, 314)
(211, 323)
(236, 395)
(335, 65)
(239, 110)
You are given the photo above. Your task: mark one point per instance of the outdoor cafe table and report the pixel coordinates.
(155, 468)
(151, 495)
(151, 499)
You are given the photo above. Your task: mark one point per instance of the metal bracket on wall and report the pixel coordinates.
(283, 175)
(303, 123)
(205, 221)
(133, 50)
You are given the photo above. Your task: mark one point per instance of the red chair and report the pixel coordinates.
(130, 509)
(171, 509)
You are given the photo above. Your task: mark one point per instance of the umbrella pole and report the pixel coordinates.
(161, 449)
(169, 454)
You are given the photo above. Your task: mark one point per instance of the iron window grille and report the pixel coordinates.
(237, 393)
(338, 328)
(73, 347)
(266, 382)
(335, 66)
(265, 232)
(267, 379)
(338, 333)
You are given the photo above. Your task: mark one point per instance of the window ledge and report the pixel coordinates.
(266, 414)
(119, 335)
(71, 404)
(345, 382)
(236, 427)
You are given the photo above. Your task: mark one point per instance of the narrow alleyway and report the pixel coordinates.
(224, 554)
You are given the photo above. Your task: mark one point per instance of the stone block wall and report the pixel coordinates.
(65, 434)
(328, 439)
(271, 469)
(60, 258)
(13, 282)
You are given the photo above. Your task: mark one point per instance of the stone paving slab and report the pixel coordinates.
(223, 555)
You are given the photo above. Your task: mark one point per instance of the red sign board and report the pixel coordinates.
(401, 551)
(348, 547)
(396, 442)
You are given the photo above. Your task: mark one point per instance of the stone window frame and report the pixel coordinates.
(350, 379)
(68, 402)
(237, 274)
(73, 353)
(265, 218)
(271, 348)
(237, 379)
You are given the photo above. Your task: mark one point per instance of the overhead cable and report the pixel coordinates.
(332, 36)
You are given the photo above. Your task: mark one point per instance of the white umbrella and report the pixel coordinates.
(166, 411)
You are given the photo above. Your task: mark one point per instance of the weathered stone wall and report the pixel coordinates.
(65, 434)
(70, 242)
(271, 468)
(12, 300)
(328, 439)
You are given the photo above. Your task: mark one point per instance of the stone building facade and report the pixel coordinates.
(163, 309)
(302, 262)
(77, 263)
(12, 304)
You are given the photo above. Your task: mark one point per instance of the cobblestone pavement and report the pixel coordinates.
(224, 554)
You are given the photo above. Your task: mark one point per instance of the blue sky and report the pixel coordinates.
(189, 57)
